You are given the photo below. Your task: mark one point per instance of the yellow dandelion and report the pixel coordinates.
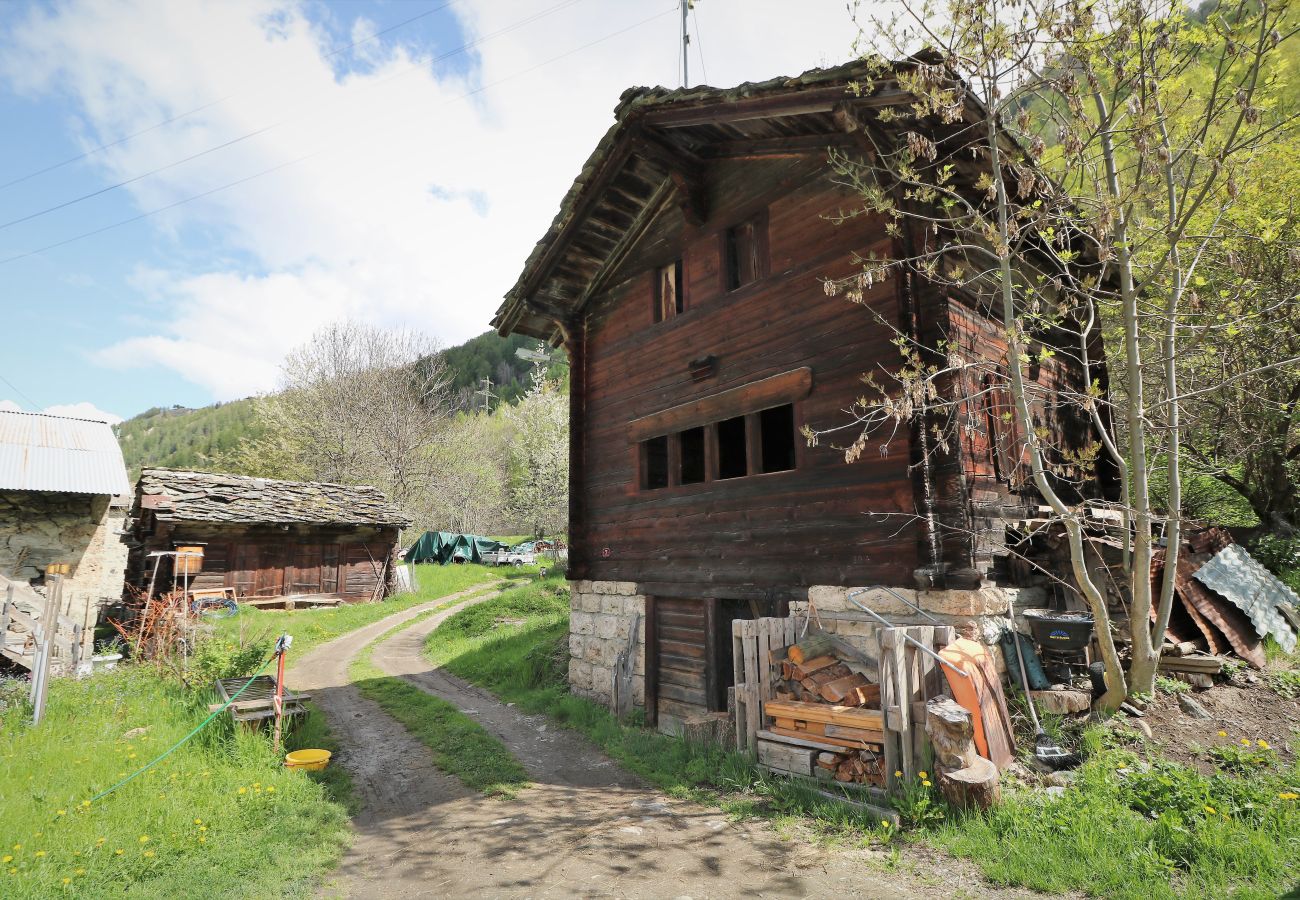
(148, 853)
(130, 756)
(923, 775)
(198, 821)
(257, 784)
(79, 872)
(1246, 741)
(925, 784)
(39, 853)
(203, 828)
(1285, 795)
(118, 852)
(85, 802)
(884, 824)
(67, 881)
(18, 846)
(100, 841)
(243, 790)
(898, 773)
(144, 838)
(202, 839)
(64, 812)
(1223, 734)
(1210, 810)
(13, 871)
(9, 856)
(1263, 744)
(270, 789)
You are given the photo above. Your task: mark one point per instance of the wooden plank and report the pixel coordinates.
(753, 709)
(851, 744)
(796, 760)
(763, 649)
(711, 679)
(849, 716)
(787, 387)
(738, 680)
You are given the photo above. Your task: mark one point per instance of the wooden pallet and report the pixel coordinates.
(753, 642)
(257, 702)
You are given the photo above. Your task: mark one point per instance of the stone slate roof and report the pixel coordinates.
(180, 496)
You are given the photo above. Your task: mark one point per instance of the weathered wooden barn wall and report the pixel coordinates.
(269, 561)
(772, 532)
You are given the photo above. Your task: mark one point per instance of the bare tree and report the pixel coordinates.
(1150, 117)
(359, 404)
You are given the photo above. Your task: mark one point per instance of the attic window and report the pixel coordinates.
(669, 299)
(744, 252)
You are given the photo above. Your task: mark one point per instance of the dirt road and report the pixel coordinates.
(585, 828)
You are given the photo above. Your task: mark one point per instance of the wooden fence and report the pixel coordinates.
(908, 677)
(24, 648)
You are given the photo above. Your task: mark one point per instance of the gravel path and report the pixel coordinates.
(585, 828)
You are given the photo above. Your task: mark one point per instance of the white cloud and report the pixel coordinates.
(417, 201)
(83, 410)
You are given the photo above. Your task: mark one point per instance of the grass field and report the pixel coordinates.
(460, 746)
(219, 817)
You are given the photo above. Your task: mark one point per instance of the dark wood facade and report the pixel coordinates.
(685, 276)
(265, 538)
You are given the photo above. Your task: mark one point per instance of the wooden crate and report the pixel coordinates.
(908, 678)
(753, 642)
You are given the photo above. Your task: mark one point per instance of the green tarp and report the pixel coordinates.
(443, 547)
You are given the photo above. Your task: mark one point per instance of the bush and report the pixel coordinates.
(218, 657)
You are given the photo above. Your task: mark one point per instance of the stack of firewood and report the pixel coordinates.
(814, 672)
(857, 766)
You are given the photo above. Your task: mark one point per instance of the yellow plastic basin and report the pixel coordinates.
(311, 760)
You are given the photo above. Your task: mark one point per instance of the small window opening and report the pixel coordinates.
(669, 298)
(692, 443)
(776, 425)
(654, 463)
(743, 253)
(731, 448)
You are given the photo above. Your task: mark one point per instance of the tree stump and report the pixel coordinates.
(966, 779)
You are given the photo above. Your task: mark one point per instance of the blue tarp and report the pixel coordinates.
(443, 547)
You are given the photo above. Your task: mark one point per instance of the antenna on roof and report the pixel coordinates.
(687, 6)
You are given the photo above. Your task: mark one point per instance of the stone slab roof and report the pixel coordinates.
(180, 496)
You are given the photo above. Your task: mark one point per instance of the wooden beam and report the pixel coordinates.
(640, 225)
(766, 148)
(787, 387)
(651, 661)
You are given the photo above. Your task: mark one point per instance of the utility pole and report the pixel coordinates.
(487, 394)
(686, 44)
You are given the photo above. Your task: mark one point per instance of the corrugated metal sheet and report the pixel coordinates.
(1253, 589)
(59, 454)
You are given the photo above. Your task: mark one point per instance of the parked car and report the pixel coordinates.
(513, 556)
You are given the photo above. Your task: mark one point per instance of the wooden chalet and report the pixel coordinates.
(261, 538)
(685, 277)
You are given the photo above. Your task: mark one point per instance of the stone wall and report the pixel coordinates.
(38, 528)
(602, 615)
(978, 614)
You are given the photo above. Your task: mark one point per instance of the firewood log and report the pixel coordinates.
(966, 779)
(812, 646)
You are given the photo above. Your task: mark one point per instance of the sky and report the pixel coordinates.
(188, 190)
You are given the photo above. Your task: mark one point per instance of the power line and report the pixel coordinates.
(13, 387)
(198, 109)
(699, 44)
(251, 134)
(284, 165)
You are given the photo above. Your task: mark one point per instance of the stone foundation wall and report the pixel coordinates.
(38, 528)
(978, 614)
(601, 617)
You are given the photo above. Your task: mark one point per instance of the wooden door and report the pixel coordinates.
(272, 559)
(329, 568)
(681, 648)
(243, 573)
(306, 571)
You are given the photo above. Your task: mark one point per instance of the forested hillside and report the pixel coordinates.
(184, 438)
(192, 438)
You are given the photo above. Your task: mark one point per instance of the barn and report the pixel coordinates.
(684, 275)
(63, 498)
(263, 538)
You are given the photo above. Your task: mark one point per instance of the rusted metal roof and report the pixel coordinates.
(59, 454)
(174, 495)
(1235, 574)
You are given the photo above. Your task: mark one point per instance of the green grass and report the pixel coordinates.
(1141, 829)
(460, 746)
(312, 627)
(219, 817)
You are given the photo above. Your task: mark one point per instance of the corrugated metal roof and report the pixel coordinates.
(1253, 589)
(39, 452)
